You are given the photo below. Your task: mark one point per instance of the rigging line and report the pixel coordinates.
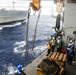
(27, 26)
(34, 36)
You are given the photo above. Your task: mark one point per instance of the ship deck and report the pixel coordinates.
(30, 69)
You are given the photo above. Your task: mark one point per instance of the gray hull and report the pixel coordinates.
(12, 16)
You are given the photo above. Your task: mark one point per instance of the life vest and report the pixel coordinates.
(49, 46)
(71, 51)
(59, 43)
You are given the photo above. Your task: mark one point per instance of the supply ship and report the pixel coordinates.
(12, 16)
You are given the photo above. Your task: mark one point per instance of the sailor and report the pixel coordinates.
(59, 44)
(49, 48)
(20, 70)
(53, 44)
(70, 52)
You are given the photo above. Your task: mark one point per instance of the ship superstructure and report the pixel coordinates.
(12, 16)
(70, 20)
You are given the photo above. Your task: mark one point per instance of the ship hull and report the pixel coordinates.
(11, 22)
(12, 16)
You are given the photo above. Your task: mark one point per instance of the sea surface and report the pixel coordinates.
(13, 43)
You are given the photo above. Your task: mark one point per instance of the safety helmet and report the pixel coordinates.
(19, 67)
(53, 38)
(58, 37)
(70, 41)
(54, 33)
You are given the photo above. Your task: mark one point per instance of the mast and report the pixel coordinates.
(13, 4)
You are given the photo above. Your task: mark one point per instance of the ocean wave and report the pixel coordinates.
(19, 47)
(13, 40)
(37, 50)
(11, 69)
(12, 25)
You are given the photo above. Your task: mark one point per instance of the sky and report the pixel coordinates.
(48, 7)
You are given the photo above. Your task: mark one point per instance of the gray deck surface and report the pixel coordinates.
(30, 69)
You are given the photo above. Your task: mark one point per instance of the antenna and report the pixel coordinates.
(13, 5)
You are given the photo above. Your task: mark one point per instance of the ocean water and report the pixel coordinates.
(12, 42)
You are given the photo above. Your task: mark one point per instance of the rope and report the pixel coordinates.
(27, 26)
(34, 37)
